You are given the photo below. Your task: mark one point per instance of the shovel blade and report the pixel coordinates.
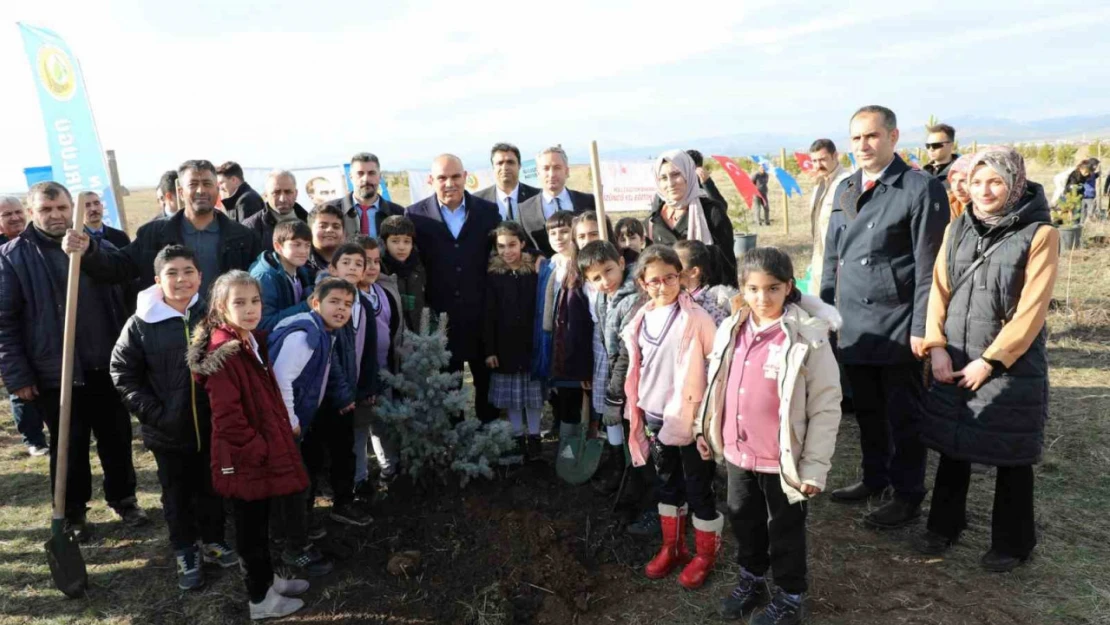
(578, 467)
(67, 567)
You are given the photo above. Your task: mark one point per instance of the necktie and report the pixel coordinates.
(364, 220)
(867, 186)
(558, 204)
(509, 203)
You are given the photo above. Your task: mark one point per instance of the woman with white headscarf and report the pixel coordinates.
(985, 334)
(683, 210)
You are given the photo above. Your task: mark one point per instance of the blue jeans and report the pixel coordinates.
(28, 421)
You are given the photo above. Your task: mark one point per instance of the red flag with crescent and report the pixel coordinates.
(739, 178)
(805, 163)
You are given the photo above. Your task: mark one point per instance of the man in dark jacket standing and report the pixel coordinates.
(148, 368)
(508, 192)
(886, 227)
(239, 198)
(220, 243)
(281, 204)
(941, 144)
(452, 235)
(365, 209)
(94, 221)
(553, 167)
(33, 276)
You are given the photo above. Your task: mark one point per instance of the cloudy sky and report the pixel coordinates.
(300, 83)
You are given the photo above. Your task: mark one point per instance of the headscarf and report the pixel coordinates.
(1008, 164)
(680, 160)
(961, 165)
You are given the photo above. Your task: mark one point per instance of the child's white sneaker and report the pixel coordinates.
(290, 587)
(274, 606)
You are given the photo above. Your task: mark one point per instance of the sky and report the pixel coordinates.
(293, 83)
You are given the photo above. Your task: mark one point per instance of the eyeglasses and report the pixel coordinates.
(670, 279)
(937, 146)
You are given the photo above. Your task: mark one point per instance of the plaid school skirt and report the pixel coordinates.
(515, 391)
(601, 370)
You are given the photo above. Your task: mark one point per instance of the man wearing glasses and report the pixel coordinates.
(941, 144)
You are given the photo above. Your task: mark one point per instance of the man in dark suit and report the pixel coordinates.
(452, 234)
(553, 168)
(281, 204)
(220, 243)
(240, 200)
(509, 191)
(94, 221)
(167, 195)
(885, 229)
(365, 209)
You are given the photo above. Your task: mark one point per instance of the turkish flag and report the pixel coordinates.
(804, 162)
(743, 183)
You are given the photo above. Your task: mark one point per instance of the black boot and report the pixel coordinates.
(894, 514)
(997, 562)
(931, 543)
(855, 493)
(608, 479)
(533, 448)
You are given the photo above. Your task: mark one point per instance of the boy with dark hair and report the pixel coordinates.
(148, 369)
(328, 233)
(401, 260)
(306, 365)
(384, 300)
(631, 235)
(281, 272)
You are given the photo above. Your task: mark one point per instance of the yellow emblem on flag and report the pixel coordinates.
(56, 72)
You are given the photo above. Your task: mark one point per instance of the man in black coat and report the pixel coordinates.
(33, 277)
(508, 192)
(240, 200)
(452, 234)
(941, 144)
(94, 221)
(365, 209)
(220, 243)
(886, 227)
(553, 168)
(281, 204)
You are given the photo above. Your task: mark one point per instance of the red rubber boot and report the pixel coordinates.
(707, 536)
(673, 553)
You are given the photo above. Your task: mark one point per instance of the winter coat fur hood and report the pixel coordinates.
(808, 386)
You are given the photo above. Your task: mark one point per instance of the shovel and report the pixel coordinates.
(579, 457)
(67, 567)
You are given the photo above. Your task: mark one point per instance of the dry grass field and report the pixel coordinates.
(858, 576)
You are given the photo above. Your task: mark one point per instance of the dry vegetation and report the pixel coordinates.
(858, 576)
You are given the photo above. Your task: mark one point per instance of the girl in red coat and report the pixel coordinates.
(254, 457)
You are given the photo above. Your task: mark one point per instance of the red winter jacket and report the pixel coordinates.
(254, 455)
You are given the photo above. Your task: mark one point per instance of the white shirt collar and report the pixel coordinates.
(867, 176)
(501, 195)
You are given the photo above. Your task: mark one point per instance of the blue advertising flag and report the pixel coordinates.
(76, 159)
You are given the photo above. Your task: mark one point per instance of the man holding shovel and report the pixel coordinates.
(33, 277)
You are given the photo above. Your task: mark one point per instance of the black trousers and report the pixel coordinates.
(1013, 530)
(770, 531)
(252, 541)
(682, 477)
(97, 410)
(887, 400)
(331, 435)
(192, 509)
(485, 411)
(566, 404)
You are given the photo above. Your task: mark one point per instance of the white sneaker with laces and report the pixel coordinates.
(274, 606)
(290, 587)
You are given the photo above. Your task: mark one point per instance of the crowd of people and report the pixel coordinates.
(247, 340)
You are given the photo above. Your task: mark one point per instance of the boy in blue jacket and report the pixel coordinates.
(281, 271)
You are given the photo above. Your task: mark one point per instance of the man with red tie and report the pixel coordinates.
(365, 209)
(885, 229)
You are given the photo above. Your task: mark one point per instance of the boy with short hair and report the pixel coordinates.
(380, 292)
(401, 260)
(281, 271)
(149, 370)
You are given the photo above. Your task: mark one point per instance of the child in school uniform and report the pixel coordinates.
(667, 342)
(700, 279)
(563, 331)
(281, 271)
(401, 260)
(254, 455)
(380, 292)
(771, 415)
(507, 335)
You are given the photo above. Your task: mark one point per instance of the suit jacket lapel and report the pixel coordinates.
(849, 200)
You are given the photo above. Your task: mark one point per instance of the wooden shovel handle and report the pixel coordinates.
(69, 338)
(599, 200)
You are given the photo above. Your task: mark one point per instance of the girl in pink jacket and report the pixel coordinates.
(667, 342)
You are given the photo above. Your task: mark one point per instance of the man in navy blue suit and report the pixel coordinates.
(452, 235)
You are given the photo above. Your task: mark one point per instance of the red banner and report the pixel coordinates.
(805, 163)
(739, 178)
